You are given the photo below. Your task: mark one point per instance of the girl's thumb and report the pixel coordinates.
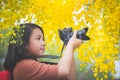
(75, 33)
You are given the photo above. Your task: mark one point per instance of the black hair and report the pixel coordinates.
(17, 52)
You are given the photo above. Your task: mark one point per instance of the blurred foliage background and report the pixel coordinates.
(95, 58)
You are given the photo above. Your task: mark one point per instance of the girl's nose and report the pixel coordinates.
(43, 43)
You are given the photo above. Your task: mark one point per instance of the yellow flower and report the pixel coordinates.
(95, 75)
(105, 76)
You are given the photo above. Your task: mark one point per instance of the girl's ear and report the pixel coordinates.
(26, 47)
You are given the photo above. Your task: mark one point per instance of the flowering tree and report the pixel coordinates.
(100, 16)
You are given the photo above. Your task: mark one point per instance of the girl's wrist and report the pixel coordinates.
(70, 46)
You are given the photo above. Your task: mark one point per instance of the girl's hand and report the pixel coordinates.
(74, 42)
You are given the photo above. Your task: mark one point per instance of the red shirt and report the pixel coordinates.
(34, 70)
(4, 75)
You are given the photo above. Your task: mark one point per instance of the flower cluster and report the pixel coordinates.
(100, 16)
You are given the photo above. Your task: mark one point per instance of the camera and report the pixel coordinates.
(66, 33)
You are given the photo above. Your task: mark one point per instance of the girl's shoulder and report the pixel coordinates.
(28, 64)
(26, 61)
(33, 67)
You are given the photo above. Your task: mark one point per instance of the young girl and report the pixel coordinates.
(21, 59)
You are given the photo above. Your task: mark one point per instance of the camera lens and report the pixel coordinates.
(81, 34)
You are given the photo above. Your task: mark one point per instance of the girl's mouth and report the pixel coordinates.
(42, 49)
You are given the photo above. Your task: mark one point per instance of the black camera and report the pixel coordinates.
(66, 33)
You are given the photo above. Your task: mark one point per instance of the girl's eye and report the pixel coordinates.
(38, 38)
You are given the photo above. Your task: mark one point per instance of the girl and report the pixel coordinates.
(21, 58)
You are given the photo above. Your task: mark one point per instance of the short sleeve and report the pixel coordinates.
(34, 70)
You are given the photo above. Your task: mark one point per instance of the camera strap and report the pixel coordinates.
(49, 56)
(62, 50)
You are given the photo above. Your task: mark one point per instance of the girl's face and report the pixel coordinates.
(36, 44)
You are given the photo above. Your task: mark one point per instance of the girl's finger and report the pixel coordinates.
(75, 34)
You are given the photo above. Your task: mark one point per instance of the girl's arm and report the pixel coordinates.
(72, 75)
(66, 63)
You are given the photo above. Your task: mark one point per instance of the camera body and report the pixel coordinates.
(66, 33)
